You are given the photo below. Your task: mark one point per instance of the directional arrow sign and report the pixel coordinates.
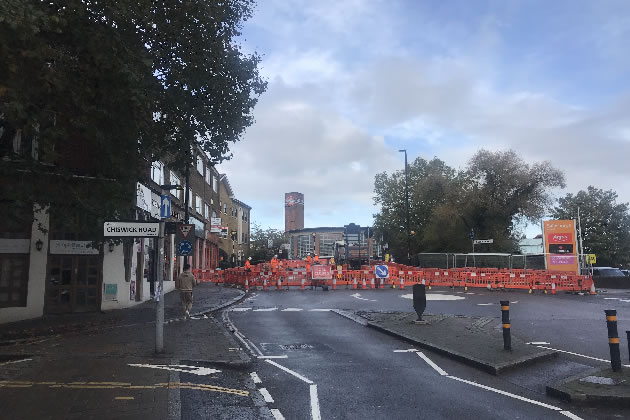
(195, 370)
(165, 207)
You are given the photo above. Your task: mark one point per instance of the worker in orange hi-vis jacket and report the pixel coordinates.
(316, 259)
(274, 264)
(248, 265)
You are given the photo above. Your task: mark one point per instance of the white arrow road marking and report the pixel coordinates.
(266, 395)
(277, 414)
(240, 309)
(358, 296)
(433, 365)
(195, 370)
(265, 309)
(292, 310)
(255, 378)
(405, 351)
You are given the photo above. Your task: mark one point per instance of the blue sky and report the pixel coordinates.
(353, 81)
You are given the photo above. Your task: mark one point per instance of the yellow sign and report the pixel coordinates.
(591, 258)
(386, 257)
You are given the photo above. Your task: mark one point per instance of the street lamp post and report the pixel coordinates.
(407, 206)
(159, 307)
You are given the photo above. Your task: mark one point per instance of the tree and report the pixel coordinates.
(495, 192)
(605, 224)
(259, 242)
(126, 82)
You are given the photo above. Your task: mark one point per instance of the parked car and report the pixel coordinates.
(626, 273)
(607, 272)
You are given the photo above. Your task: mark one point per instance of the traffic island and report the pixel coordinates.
(596, 387)
(477, 341)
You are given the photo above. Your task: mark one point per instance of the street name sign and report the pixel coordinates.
(483, 241)
(381, 271)
(132, 229)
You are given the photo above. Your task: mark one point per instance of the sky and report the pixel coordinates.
(350, 82)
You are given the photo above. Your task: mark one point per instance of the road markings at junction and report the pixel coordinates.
(292, 310)
(436, 296)
(498, 391)
(433, 365)
(358, 296)
(266, 395)
(277, 414)
(405, 351)
(195, 370)
(320, 310)
(284, 356)
(11, 362)
(289, 371)
(538, 343)
(255, 378)
(314, 403)
(574, 354)
(240, 309)
(486, 304)
(265, 309)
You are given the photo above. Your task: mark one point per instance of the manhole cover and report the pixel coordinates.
(302, 346)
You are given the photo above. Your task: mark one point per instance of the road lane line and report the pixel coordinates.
(240, 309)
(124, 398)
(266, 395)
(433, 365)
(320, 310)
(292, 310)
(507, 394)
(314, 403)
(14, 361)
(255, 378)
(265, 309)
(277, 414)
(406, 351)
(486, 304)
(578, 354)
(537, 343)
(570, 415)
(287, 370)
(284, 356)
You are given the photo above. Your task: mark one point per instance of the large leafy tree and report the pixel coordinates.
(605, 224)
(99, 89)
(259, 242)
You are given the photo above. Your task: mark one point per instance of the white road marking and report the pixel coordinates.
(578, 354)
(241, 337)
(537, 343)
(436, 296)
(292, 310)
(624, 300)
(570, 415)
(405, 351)
(612, 298)
(240, 309)
(14, 361)
(486, 304)
(470, 293)
(315, 415)
(358, 296)
(277, 414)
(266, 395)
(289, 371)
(255, 378)
(516, 301)
(507, 394)
(320, 310)
(433, 365)
(195, 370)
(284, 356)
(265, 309)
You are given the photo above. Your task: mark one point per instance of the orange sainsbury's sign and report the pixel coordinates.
(560, 245)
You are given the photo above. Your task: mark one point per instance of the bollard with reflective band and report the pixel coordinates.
(613, 339)
(505, 319)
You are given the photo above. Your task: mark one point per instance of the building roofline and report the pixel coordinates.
(239, 202)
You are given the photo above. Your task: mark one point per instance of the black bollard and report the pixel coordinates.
(613, 339)
(419, 299)
(628, 337)
(505, 319)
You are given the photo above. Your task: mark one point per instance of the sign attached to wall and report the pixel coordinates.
(215, 225)
(560, 245)
(131, 229)
(110, 290)
(72, 248)
(15, 246)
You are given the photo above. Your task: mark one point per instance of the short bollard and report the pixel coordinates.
(628, 336)
(613, 339)
(505, 319)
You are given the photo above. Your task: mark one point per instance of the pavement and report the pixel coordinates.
(600, 386)
(477, 341)
(112, 371)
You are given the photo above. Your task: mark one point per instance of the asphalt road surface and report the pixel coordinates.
(313, 363)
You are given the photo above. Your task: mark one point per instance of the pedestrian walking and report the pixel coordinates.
(185, 283)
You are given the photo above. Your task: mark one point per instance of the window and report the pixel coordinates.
(206, 212)
(224, 208)
(215, 184)
(191, 202)
(305, 245)
(208, 176)
(214, 214)
(157, 172)
(13, 280)
(198, 205)
(200, 165)
(174, 180)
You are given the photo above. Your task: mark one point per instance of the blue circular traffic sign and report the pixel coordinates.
(184, 248)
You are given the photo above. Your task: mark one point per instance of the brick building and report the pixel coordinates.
(293, 211)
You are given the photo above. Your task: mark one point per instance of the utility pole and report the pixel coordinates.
(407, 207)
